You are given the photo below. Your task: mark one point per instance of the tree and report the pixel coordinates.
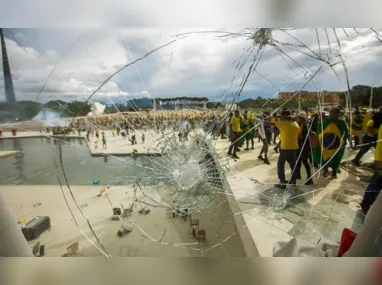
(77, 108)
(360, 96)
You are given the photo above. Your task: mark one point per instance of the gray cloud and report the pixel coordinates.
(197, 65)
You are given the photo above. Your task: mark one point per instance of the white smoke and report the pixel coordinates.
(50, 118)
(97, 109)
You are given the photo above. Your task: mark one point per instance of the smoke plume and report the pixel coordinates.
(50, 118)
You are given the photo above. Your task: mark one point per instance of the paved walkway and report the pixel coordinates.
(153, 235)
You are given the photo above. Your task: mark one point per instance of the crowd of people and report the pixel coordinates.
(311, 139)
(306, 138)
(144, 120)
(126, 124)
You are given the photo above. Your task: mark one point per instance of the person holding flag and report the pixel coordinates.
(332, 134)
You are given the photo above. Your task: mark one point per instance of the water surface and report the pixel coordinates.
(35, 164)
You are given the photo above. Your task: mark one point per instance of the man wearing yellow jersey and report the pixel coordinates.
(235, 134)
(366, 118)
(357, 126)
(243, 127)
(375, 186)
(289, 132)
(370, 138)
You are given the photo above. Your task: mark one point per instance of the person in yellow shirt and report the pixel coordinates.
(366, 118)
(370, 137)
(235, 134)
(243, 127)
(375, 186)
(289, 132)
(357, 127)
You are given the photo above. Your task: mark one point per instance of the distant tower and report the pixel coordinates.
(9, 91)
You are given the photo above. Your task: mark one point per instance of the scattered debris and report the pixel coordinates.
(144, 211)
(36, 227)
(74, 250)
(42, 250)
(200, 235)
(101, 192)
(194, 226)
(128, 211)
(117, 211)
(182, 212)
(123, 231)
(36, 248)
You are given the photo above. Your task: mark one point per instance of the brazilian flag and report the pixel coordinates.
(332, 136)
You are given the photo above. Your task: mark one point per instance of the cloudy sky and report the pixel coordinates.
(70, 64)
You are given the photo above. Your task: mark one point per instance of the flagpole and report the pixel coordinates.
(371, 98)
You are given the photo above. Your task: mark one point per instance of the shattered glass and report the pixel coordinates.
(176, 180)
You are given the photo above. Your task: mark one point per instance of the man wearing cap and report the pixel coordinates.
(289, 131)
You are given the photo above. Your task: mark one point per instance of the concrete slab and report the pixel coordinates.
(6, 153)
(154, 234)
(34, 134)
